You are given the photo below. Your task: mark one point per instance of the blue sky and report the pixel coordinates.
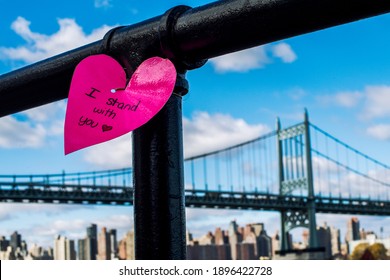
(341, 75)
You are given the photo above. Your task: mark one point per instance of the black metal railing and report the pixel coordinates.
(188, 37)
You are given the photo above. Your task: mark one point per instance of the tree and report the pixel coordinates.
(378, 251)
(359, 251)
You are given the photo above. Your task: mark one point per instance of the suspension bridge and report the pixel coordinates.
(299, 171)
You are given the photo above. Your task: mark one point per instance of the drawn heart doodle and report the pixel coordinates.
(106, 128)
(102, 107)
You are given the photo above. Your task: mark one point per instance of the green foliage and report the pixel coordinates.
(359, 251)
(377, 251)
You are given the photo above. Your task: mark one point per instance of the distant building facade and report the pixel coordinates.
(4, 243)
(64, 249)
(324, 240)
(113, 244)
(126, 247)
(91, 242)
(248, 243)
(14, 248)
(353, 230)
(38, 253)
(335, 241)
(104, 245)
(16, 240)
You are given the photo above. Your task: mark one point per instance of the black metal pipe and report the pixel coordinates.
(188, 37)
(159, 206)
(40, 83)
(227, 26)
(204, 32)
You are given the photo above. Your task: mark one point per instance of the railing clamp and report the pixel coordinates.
(168, 41)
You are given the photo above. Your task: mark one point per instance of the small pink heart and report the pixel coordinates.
(100, 105)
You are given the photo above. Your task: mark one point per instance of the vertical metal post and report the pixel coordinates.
(309, 175)
(279, 150)
(159, 207)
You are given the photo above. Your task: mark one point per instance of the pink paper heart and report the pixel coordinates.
(95, 114)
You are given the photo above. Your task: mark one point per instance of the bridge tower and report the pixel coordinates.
(296, 178)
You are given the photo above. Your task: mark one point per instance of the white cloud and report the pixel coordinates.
(347, 99)
(31, 128)
(377, 102)
(203, 133)
(63, 219)
(56, 127)
(14, 210)
(297, 93)
(254, 58)
(333, 179)
(102, 3)
(4, 216)
(40, 46)
(46, 112)
(21, 26)
(342, 99)
(39, 123)
(284, 52)
(118, 221)
(379, 131)
(44, 234)
(206, 133)
(59, 226)
(241, 61)
(373, 102)
(116, 153)
(20, 134)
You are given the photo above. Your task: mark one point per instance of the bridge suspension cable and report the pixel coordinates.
(247, 167)
(349, 172)
(340, 172)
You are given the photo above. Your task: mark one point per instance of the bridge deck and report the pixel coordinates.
(103, 195)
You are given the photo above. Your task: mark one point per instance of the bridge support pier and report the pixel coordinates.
(284, 244)
(296, 173)
(311, 206)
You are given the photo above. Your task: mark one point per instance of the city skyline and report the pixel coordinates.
(104, 244)
(341, 75)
